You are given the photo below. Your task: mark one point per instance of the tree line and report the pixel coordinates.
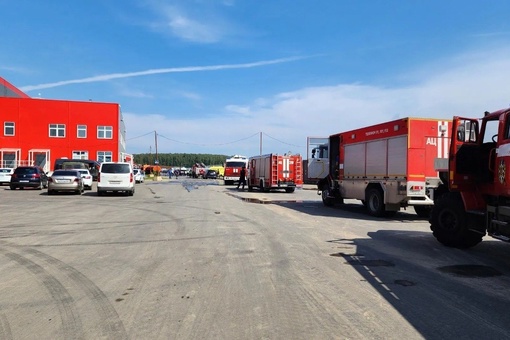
(179, 159)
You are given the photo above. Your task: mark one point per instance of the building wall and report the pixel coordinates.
(32, 142)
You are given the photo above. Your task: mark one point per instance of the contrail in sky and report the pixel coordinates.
(106, 77)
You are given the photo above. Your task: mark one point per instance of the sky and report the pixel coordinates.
(249, 77)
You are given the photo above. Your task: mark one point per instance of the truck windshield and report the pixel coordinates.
(235, 164)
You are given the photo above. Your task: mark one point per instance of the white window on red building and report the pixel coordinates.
(57, 130)
(80, 155)
(9, 129)
(82, 131)
(104, 156)
(104, 132)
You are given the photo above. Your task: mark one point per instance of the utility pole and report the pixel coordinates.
(260, 143)
(156, 144)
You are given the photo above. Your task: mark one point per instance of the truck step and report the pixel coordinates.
(501, 237)
(476, 212)
(503, 223)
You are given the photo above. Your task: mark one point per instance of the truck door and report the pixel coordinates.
(334, 156)
(463, 160)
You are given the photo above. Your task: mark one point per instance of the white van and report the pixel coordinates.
(115, 177)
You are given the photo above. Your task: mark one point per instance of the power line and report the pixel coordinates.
(297, 146)
(208, 144)
(148, 133)
(214, 144)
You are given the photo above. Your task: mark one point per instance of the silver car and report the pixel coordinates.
(65, 180)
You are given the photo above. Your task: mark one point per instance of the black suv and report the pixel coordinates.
(29, 176)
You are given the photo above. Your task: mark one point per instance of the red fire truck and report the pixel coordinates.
(387, 166)
(198, 170)
(273, 171)
(233, 167)
(478, 179)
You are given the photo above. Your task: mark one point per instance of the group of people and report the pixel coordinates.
(173, 173)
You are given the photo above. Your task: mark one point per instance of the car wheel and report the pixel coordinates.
(99, 193)
(12, 187)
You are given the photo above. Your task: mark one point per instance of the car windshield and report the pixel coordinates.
(65, 173)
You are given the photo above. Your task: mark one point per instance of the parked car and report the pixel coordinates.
(213, 174)
(87, 178)
(115, 177)
(28, 177)
(65, 180)
(5, 175)
(139, 175)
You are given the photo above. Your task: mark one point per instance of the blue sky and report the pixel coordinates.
(212, 76)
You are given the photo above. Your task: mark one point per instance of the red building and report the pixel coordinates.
(39, 131)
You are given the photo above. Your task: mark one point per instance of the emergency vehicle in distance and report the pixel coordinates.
(273, 171)
(233, 167)
(198, 170)
(387, 166)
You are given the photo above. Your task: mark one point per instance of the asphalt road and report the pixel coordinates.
(192, 259)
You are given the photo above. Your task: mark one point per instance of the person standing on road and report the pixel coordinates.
(242, 178)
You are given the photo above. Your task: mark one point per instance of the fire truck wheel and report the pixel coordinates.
(423, 210)
(375, 202)
(289, 190)
(326, 199)
(448, 222)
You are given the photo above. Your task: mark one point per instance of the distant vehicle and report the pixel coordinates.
(87, 178)
(139, 175)
(5, 175)
(233, 167)
(65, 180)
(65, 163)
(273, 171)
(116, 177)
(198, 170)
(211, 174)
(28, 177)
(220, 170)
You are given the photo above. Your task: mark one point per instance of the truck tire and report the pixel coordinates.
(326, 199)
(448, 222)
(375, 202)
(423, 210)
(289, 190)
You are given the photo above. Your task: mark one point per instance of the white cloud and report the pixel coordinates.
(188, 29)
(467, 85)
(198, 22)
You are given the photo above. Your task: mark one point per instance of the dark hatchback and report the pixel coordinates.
(28, 177)
(211, 174)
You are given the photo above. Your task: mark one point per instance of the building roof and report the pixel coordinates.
(9, 90)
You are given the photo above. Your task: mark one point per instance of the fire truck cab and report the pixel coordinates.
(478, 178)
